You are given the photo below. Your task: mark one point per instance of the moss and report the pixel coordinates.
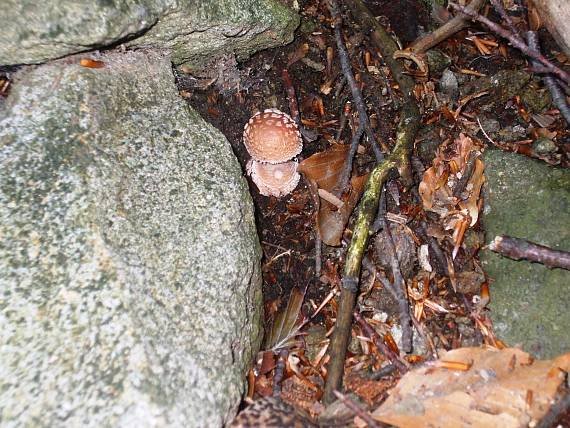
(530, 200)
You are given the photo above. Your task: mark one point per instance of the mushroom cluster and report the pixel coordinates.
(272, 138)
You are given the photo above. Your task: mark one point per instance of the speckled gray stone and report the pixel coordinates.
(130, 287)
(194, 31)
(528, 199)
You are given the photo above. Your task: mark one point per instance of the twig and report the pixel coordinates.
(398, 288)
(517, 249)
(464, 180)
(294, 107)
(364, 122)
(448, 29)
(399, 158)
(279, 372)
(313, 188)
(385, 371)
(402, 298)
(355, 408)
(349, 288)
(498, 5)
(515, 41)
(485, 133)
(558, 97)
(343, 120)
(379, 343)
(347, 167)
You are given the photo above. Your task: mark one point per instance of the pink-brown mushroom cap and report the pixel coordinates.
(272, 136)
(274, 179)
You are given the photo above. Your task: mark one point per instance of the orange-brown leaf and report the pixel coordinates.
(325, 167)
(332, 221)
(474, 185)
(472, 397)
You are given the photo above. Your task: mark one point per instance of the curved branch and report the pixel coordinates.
(399, 158)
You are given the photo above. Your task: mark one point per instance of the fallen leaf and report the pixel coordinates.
(492, 391)
(474, 186)
(427, 187)
(332, 221)
(298, 54)
(324, 169)
(91, 63)
(286, 327)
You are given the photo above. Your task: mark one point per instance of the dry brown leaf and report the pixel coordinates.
(464, 146)
(332, 221)
(474, 185)
(286, 326)
(446, 174)
(492, 393)
(427, 187)
(298, 54)
(367, 389)
(325, 168)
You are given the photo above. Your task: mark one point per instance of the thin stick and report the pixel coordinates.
(347, 167)
(447, 30)
(355, 408)
(517, 249)
(498, 5)
(363, 119)
(379, 343)
(405, 135)
(558, 97)
(308, 135)
(279, 372)
(515, 41)
(313, 188)
(343, 120)
(400, 288)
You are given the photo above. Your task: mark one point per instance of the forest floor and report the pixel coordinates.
(437, 249)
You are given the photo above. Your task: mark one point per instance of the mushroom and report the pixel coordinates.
(274, 179)
(272, 136)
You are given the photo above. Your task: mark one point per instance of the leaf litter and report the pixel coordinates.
(459, 371)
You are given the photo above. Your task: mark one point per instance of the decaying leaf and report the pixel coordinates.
(427, 187)
(298, 54)
(286, 327)
(490, 390)
(324, 169)
(332, 221)
(474, 186)
(442, 188)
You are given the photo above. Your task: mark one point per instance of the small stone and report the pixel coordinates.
(448, 84)
(544, 146)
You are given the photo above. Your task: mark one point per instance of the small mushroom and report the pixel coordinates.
(274, 179)
(272, 136)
